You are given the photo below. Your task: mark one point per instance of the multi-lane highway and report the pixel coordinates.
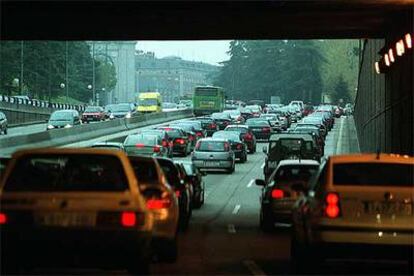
(224, 235)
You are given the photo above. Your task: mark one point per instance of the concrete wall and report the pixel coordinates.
(384, 103)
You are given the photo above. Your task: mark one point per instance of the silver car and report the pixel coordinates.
(214, 154)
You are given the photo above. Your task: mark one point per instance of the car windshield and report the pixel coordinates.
(291, 174)
(373, 174)
(57, 116)
(93, 109)
(67, 172)
(260, 123)
(173, 132)
(121, 108)
(212, 146)
(145, 171)
(144, 139)
(229, 135)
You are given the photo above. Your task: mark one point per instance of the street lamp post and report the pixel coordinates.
(93, 95)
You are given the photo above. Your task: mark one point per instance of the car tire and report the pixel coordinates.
(266, 222)
(5, 131)
(168, 251)
(244, 159)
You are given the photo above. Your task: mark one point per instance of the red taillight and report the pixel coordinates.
(239, 146)
(191, 138)
(177, 193)
(180, 141)
(332, 209)
(266, 129)
(156, 149)
(199, 134)
(139, 145)
(164, 143)
(277, 193)
(3, 218)
(128, 219)
(158, 203)
(213, 126)
(248, 136)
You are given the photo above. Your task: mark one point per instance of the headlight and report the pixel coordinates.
(128, 115)
(111, 116)
(68, 126)
(50, 127)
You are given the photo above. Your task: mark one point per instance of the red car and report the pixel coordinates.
(93, 114)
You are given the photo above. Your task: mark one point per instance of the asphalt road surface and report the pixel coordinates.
(224, 235)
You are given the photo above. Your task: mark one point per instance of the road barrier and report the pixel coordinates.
(63, 136)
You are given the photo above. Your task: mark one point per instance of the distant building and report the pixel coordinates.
(121, 55)
(172, 76)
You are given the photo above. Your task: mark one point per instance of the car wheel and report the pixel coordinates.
(168, 251)
(266, 222)
(232, 169)
(200, 200)
(244, 159)
(5, 131)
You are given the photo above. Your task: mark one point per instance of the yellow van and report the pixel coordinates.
(149, 102)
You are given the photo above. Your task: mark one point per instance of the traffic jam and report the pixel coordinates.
(139, 195)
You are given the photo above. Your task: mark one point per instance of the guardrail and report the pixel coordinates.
(39, 103)
(60, 137)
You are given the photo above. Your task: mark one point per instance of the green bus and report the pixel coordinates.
(207, 100)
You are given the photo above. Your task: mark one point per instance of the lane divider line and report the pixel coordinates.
(338, 149)
(254, 268)
(236, 209)
(231, 229)
(250, 183)
(263, 165)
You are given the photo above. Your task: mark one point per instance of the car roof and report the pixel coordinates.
(95, 151)
(241, 126)
(108, 144)
(304, 136)
(372, 157)
(305, 162)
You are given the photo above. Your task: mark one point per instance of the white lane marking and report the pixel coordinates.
(206, 194)
(231, 228)
(250, 183)
(254, 268)
(236, 209)
(263, 165)
(339, 143)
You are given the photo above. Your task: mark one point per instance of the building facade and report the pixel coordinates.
(172, 76)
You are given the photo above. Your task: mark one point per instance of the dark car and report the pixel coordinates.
(246, 113)
(3, 123)
(163, 135)
(247, 136)
(3, 163)
(316, 134)
(260, 128)
(208, 124)
(109, 145)
(182, 191)
(184, 177)
(195, 176)
(122, 110)
(63, 119)
(222, 120)
(179, 139)
(93, 114)
(190, 131)
(236, 143)
(282, 189)
(197, 127)
(289, 146)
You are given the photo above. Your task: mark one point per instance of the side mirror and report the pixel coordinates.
(260, 182)
(264, 149)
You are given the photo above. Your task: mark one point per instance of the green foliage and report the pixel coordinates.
(341, 91)
(291, 69)
(44, 68)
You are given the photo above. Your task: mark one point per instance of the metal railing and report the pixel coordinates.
(39, 103)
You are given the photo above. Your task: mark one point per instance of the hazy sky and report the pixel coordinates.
(212, 51)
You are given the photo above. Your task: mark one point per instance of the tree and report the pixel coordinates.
(341, 91)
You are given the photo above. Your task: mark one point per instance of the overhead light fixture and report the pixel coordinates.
(408, 41)
(387, 60)
(391, 55)
(400, 48)
(377, 68)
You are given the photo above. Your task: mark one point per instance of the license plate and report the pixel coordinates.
(211, 164)
(66, 219)
(389, 208)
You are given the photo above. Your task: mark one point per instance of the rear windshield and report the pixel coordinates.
(257, 123)
(374, 174)
(212, 146)
(173, 133)
(146, 140)
(238, 129)
(292, 174)
(67, 172)
(145, 171)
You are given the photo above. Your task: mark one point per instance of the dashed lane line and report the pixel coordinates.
(250, 183)
(236, 209)
(231, 229)
(254, 268)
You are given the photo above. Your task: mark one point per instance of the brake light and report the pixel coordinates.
(180, 141)
(213, 126)
(191, 137)
(239, 146)
(3, 218)
(128, 219)
(158, 203)
(164, 143)
(248, 136)
(277, 193)
(199, 134)
(139, 145)
(156, 149)
(332, 205)
(177, 193)
(266, 129)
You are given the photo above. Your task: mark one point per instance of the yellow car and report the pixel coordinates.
(73, 205)
(358, 207)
